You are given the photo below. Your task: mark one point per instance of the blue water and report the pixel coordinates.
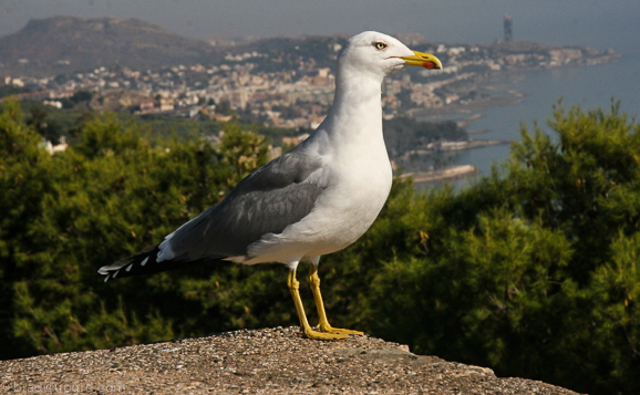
(588, 86)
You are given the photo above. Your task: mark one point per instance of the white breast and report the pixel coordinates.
(344, 211)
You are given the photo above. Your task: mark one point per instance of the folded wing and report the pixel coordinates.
(267, 201)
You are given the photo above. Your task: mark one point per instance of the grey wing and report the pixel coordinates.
(267, 201)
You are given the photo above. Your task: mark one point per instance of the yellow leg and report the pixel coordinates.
(294, 286)
(314, 281)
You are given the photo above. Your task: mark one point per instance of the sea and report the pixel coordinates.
(589, 87)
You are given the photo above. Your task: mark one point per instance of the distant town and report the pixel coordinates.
(284, 83)
(297, 93)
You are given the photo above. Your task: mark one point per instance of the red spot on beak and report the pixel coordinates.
(429, 65)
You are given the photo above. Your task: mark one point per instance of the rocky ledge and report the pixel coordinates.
(264, 361)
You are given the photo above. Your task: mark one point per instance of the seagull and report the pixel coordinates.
(316, 199)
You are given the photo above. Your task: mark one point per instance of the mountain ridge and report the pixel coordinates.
(66, 44)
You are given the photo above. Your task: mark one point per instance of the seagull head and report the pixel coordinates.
(380, 54)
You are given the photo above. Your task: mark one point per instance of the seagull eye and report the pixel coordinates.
(380, 45)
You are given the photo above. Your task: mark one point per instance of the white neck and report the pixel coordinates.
(357, 108)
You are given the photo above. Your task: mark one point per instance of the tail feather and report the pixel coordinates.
(145, 262)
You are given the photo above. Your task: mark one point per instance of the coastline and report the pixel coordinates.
(501, 94)
(448, 173)
(498, 86)
(494, 90)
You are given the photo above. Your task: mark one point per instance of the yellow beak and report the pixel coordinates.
(425, 60)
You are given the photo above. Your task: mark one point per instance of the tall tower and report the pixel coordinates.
(508, 28)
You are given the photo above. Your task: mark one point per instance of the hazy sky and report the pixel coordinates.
(596, 23)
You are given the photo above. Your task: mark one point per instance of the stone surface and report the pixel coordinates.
(263, 361)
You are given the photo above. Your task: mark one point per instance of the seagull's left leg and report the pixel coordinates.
(314, 282)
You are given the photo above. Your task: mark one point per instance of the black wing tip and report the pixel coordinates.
(145, 262)
(131, 266)
(110, 273)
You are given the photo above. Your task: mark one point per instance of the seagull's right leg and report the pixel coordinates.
(314, 281)
(294, 286)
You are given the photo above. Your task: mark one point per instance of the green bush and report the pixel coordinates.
(110, 195)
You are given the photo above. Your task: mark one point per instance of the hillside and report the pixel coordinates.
(64, 44)
(266, 361)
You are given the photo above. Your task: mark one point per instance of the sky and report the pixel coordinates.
(596, 23)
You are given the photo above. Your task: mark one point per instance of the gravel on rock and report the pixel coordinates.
(264, 361)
